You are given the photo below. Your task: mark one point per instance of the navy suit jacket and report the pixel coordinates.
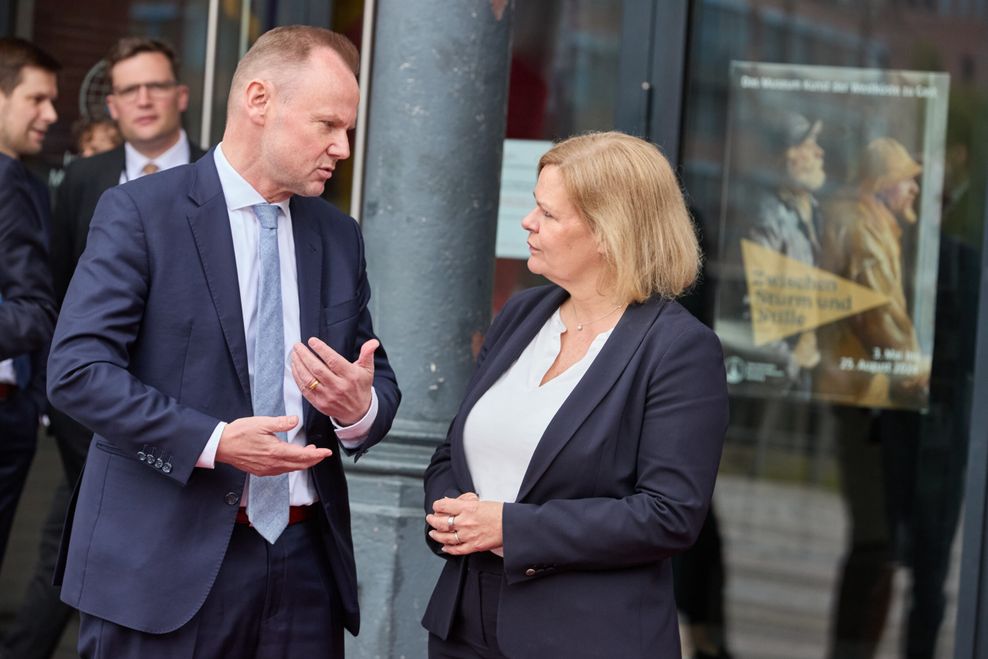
(86, 179)
(620, 481)
(27, 313)
(149, 352)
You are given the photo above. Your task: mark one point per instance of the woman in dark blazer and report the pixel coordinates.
(585, 451)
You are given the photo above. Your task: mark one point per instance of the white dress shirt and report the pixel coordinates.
(245, 227)
(7, 375)
(178, 154)
(508, 421)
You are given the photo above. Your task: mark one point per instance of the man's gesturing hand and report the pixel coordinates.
(250, 445)
(334, 386)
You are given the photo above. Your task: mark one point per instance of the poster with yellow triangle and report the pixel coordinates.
(788, 296)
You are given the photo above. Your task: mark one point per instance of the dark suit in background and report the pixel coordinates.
(27, 315)
(620, 481)
(43, 616)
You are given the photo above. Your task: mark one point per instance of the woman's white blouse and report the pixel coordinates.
(506, 424)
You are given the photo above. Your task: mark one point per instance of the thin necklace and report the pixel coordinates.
(579, 325)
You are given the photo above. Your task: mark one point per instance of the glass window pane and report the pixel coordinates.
(839, 508)
(564, 66)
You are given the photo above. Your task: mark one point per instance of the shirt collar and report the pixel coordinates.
(238, 192)
(178, 154)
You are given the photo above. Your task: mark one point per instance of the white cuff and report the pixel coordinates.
(353, 436)
(207, 459)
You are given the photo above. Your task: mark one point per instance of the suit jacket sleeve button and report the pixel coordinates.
(167, 468)
(159, 463)
(232, 498)
(530, 572)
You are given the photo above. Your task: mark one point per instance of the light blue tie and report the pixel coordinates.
(267, 496)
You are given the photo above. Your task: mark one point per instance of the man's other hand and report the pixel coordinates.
(250, 444)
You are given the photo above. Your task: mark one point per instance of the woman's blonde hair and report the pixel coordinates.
(627, 193)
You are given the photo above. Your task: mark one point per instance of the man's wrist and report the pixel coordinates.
(353, 434)
(356, 419)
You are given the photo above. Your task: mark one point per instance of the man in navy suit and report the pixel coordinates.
(212, 516)
(27, 309)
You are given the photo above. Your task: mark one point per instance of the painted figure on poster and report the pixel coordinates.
(873, 358)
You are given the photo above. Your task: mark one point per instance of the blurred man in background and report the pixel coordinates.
(27, 310)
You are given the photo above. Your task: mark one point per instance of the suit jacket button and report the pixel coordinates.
(140, 456)
(150, 459)
(167, 468)
(530, 572)
(158, 463)
(232, 498)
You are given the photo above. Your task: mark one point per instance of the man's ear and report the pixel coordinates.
(111, 105)
(183, 98)
(258, 99)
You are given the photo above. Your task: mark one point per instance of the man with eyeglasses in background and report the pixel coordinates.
(147, 101)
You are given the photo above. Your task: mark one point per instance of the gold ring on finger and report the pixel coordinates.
(313, 385)
(456, 535)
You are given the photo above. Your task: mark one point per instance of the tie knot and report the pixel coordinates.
(267, 214)
(149, 168)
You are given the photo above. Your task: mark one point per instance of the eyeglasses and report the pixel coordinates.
(156, 90)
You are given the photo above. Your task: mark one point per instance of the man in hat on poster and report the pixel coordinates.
(788, 219)
(862, 241)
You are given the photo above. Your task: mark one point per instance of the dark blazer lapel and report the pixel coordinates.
(211, 229)
(613, 358)
(308, 267)
(107, 177)
(497, 362)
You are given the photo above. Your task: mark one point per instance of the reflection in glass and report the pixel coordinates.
(840, 523)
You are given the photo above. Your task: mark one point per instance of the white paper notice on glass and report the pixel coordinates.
(518, 178)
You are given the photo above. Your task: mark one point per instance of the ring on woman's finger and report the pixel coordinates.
(457, 536)
(313, 385)
(450, 522)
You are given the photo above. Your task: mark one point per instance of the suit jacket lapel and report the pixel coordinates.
(210, 226)
(496, 364)
(110, 176)
(308, 266)
(613, 358)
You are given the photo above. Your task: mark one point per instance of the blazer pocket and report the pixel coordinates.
(112, 449)
(337, 313)
(339, 326)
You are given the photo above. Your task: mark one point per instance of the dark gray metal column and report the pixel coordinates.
(432, 176)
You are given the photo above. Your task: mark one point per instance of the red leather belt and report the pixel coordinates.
(7, 390)
(296, 514)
